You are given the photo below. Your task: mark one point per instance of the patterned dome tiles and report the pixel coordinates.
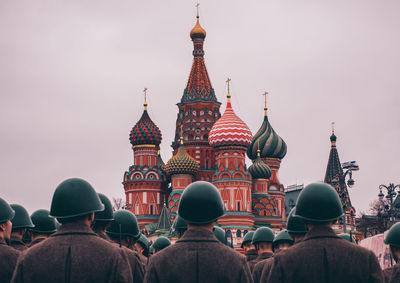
(145, 132)
(259, 170)
(181, 163)
(229, 130)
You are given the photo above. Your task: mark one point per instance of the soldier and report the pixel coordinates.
(282, 241)
(9, 255)
(102, 219)
(219, 233)
(124, 231)
(45, 225)
(161, 243)
(250, 251)
(180, 226)
(21, 222)
(142, 246)
(322, 256)
(200, 256)
(262, 240)
(74, 253)
(392, 274)
(296, 229)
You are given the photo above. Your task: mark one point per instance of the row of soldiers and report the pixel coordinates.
(94, 244)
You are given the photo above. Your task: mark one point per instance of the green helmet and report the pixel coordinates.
(263, 234)
(393, 236)
(143, 241)
(161, 243)
(179, 224)
(219, 234)
(294, 224)
(44, 223)
(318, 202)
(21, 219)
(107, 213)
(201, 203)
(74, 197)
(283, 237)
(347, 237)
(247, 238)
(6, 212)
(124, 224)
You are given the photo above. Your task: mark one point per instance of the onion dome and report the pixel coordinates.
(197, 31)
(259, 170)
(145, 131)
(229, 130)
(271, 145)
(181, 163)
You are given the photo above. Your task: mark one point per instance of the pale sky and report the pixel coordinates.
(72, 75)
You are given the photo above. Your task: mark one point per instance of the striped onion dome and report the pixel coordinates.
(259, 170)
(145, 131)
(271, 145)
(229, 130)
(181, 163)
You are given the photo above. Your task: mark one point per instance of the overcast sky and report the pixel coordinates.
(72, 75)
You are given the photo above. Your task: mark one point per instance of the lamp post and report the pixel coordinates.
(340, 180)
(391, 194)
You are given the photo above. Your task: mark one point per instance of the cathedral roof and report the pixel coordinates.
(270, 143)
(259, 170)
(145, 131)
(164, 222)
(199, 85)
(229, 130)
(181, 163)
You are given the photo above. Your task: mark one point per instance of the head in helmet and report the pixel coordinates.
(393, 240)
(262, 240)
(124, 229)
(219, 233)
(45, 225)
(75, 201)
(296, 227)
(201, 205)
(246, 243)
(160, 243)
(318, 204)
(347, 237)
(180, 226)
(142, 245)
(21, 222)
(102, 219)
(282, 241)
(6, 215)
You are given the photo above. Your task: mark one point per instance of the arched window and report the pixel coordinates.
(238, 206)
(238, 233)
(228, 234)
(245, 232)
(151, 209)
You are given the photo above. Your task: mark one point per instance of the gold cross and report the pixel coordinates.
(265, 102)
(181, 134)
(197, 7)
(228, 80)
(145, 95)
(333, 127)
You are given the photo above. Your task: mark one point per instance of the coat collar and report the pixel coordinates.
(320, 232)
(16, 241)
(198, 236)
(251, 252)
(74, 229)
(265, 255)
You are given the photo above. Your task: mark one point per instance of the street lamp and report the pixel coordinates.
(391, 194)
(340, 180)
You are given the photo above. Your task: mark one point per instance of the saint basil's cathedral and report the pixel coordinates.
(211, 147)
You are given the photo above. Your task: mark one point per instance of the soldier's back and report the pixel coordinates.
(324, 257)
(8, 261)
(198, 257)
(392, 274)
(73, 254)
(17, 244)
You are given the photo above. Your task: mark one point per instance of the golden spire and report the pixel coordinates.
(265, 103)
(145, 98)
(181, 134)
(198, 31)
(258, 149)
(228, 80)
(197, 9)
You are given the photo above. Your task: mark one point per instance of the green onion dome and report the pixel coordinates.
(181, 163)
(270, 143)
(145, 131)
(259, 170)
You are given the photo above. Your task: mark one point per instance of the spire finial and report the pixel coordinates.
(197, 9)
(265, 103)
(181, 134)
(145, 98)
(258, 149)
(228, 80)
(333, 127)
